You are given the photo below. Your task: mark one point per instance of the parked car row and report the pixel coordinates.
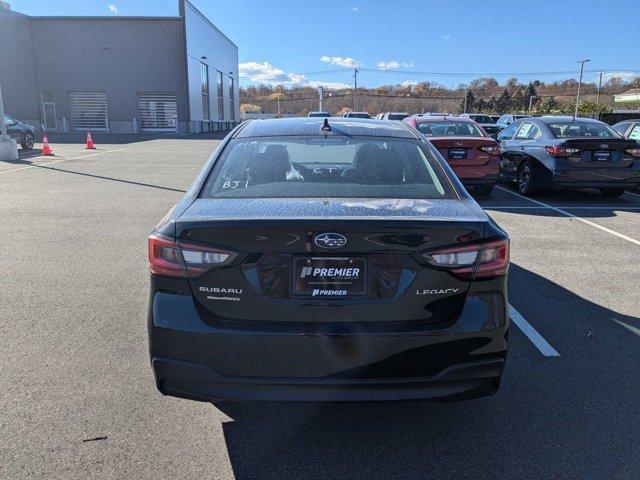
(534, 152)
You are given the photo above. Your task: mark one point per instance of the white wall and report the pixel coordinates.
(203, 39)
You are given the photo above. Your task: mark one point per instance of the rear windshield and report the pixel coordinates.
(482, 118)
(581, 129)
(450, 128)
(358, 115)
(327, 167)
(319, 114)
(398, 116)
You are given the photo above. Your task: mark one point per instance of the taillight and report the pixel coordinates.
(634, 151)
(491, 149)
(483, 260)
(561, 151)
(168, 258)
(198, 259)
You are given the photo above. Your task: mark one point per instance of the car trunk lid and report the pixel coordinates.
(283, 273)
(600, 152)
(464, 150)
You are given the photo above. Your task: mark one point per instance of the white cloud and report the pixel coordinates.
(624, 76)
(266, 73)
(328, 85)
(341, 61)
(446, 36)
(355, 9)
(393, 64)
(390, 65)
(113, 9)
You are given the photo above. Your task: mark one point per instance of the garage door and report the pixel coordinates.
(158, 111)
(89, 111)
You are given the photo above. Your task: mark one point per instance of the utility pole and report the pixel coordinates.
(581, 62)
(598, 95)
(278, 106)
(531, 97)
(355, 88)
(320, 96)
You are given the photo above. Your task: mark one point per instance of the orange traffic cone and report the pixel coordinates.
(90, 145)
(46, 149)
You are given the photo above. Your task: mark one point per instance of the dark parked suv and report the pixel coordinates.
(327, 259)
(21, 132)
(568, 152)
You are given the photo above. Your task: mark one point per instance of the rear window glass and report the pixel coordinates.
(398, 116)
(482, 118)
(327, 167)
(582, 129)
(450, 128)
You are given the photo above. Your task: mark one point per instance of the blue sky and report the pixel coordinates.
(403, 41)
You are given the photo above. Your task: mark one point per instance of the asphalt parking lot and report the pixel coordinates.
(77, 397)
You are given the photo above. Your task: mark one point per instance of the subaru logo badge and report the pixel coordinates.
(330, 240)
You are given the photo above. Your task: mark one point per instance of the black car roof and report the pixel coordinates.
(311, 126)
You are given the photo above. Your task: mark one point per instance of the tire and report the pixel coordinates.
(526, 179)
(484, 190)
(611, 192)
(27, 141)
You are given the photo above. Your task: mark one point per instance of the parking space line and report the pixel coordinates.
(598, 207)
(532, 334)
(628, 327)
(63, 160)
(570, 215)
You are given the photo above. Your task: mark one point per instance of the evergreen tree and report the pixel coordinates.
(504, 102)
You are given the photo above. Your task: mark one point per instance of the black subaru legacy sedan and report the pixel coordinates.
(327, 259)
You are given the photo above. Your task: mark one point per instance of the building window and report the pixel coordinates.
(232, 105)
(204, 83)
(220, 97)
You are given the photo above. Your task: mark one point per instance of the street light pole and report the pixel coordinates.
(581, 62)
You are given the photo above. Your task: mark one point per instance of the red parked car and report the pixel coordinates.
(472, 154)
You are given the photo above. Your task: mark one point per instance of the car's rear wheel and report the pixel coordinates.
(611, 192)
(526, 178)
(27, 141)
(484, 189)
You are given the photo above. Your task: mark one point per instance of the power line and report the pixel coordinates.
(488, 74)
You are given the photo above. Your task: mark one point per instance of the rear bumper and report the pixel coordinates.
(201, 382)
(472, 175)
(205, 359)
(596, 177)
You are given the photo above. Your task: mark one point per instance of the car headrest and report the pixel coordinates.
(271, 166)
(375, 165)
